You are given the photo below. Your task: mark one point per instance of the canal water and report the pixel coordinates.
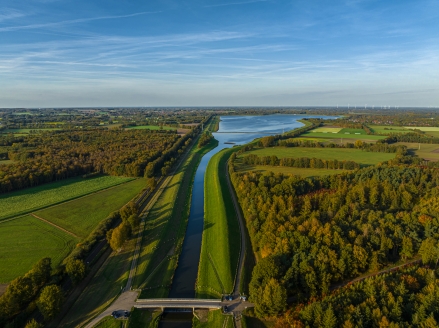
(232, 129)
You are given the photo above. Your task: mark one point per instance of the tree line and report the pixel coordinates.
(301, 162)
(314, 232)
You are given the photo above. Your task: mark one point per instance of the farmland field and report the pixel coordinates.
(387, 129)
(81, 215)
(31, 199)
(427, 151)
(356, 155)
(26, 240)
(424, 128)
(327, 130)
(341, 134)
(150, 127)
(352, 131)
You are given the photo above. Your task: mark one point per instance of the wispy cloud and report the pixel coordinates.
(234, 3)
(71, 21)
(7, 14)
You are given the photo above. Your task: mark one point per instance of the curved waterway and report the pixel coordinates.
(232, 130)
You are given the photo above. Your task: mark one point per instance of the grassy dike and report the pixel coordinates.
(215, 319)
(221, 236)
(166, 226)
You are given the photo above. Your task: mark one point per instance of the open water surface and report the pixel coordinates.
(232, 129)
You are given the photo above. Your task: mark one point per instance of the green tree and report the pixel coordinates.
(134, 221)
(429, 251)
(119, 236)
(407, 248)
(329, 319)
(40, 273)
(34, 324)
(273, 299)
(50, 301)
(75, 268)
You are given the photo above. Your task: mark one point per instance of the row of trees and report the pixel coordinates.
(411, 137)
(323, 230)
(301, 162)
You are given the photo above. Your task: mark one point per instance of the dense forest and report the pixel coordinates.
(54, 155)
(408, 297)
(315, 232)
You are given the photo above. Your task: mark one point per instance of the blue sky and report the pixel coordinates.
(218, 53)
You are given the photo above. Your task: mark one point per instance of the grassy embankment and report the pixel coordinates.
(32, 199)
(110, 322)
(166, 226)
(215, 319)
(80, 216)
(25, 241)
(165, 229)
(221, 235)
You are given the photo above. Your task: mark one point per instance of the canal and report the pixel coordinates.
(232, 130)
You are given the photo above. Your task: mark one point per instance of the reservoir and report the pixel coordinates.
(232, 130)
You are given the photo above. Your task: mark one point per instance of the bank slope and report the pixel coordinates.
(221, 236)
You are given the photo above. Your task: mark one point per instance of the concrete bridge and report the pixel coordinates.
(180, 303)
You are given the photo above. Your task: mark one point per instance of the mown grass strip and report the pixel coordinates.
(221, 235)
(215, 319)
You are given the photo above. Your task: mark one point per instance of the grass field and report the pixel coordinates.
(31, 199)
(357, 155)
(434, 134)
(26, 240)
(341, 134)
(287, 170)
(221, 236)
(387, 129)
(6, 162)
(80, 216)
(423, 128)
(352, 131)
(102, 289)
(149, 127)
(326, 130)
(165, 229)
(215, 319)
(427, 151)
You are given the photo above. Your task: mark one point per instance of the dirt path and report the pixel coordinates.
(53, 224)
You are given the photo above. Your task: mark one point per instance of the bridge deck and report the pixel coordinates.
(182, 303)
